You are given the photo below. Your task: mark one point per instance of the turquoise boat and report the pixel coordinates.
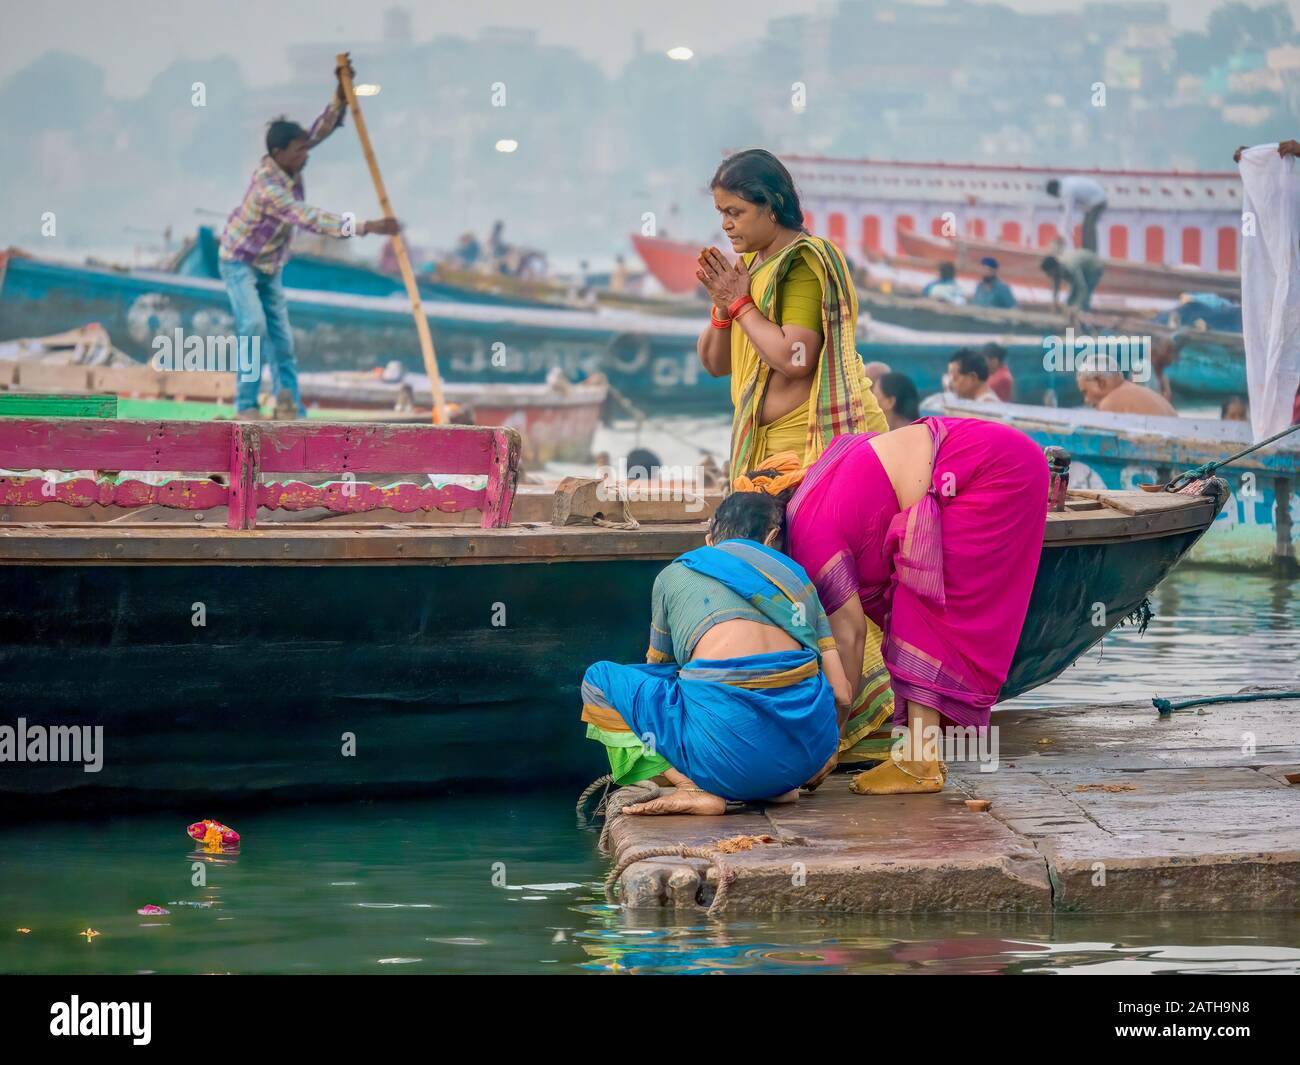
(1257, 527)
(324, 274)
(1209, 365)
(650, 359)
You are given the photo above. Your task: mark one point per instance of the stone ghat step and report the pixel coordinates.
(1100, 809)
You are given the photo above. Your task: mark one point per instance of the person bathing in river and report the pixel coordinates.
(783, 325)
(742, 689)
(932, 531)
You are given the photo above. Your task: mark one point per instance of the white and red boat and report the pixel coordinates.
(1020, 265)
(1163, 232)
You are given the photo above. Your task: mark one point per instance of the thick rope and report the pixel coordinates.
(628, 523)
(614, 803)
(1208, 469)
(600, 782)
(710, 854)
(1166, 707)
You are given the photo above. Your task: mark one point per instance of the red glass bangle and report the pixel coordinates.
(716, 322)
(734, 309)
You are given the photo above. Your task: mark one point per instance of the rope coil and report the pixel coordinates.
(709, 854)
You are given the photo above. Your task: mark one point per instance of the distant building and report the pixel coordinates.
(1192, 219)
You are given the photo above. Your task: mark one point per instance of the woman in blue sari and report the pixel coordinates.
(742, 692)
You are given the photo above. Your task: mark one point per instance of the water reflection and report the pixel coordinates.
(503, 883)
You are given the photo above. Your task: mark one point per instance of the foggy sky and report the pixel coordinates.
(135, 39)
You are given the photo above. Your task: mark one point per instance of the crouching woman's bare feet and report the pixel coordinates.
(681, 800)
(823, 772)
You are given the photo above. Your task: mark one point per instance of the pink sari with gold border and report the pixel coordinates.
(949, 578)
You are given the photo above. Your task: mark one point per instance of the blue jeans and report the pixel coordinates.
(260, 310)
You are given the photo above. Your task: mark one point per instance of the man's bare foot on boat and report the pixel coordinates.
(681, 801)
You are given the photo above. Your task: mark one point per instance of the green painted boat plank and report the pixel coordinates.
(39, 405)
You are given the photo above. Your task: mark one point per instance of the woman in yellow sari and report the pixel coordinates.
(783, 325)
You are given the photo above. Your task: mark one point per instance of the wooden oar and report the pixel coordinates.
(399, 245)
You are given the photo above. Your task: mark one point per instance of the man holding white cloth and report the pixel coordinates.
(1270, 282)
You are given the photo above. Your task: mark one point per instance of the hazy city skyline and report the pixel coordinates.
(133, 40)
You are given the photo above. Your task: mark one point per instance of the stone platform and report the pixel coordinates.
(1100, 809)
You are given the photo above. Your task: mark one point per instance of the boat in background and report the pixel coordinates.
(1021, 265)
(924, 357)
(1256, 528)
(433, 642)
(328, 273)
(557, 419)
(673, 263)
(1166, 218)
(198, 257)
(649, 358)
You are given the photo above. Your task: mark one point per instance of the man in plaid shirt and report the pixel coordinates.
(255, 244)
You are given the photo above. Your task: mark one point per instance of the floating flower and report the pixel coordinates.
(25, 931)
(152, 911)
(213, 834)
(90, 934)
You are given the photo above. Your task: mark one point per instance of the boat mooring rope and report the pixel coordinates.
(590, 790)
(629, 521)
(1166, 707)
(709, 854)
(1208, 469)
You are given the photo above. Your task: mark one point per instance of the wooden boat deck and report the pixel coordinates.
(1091, 518)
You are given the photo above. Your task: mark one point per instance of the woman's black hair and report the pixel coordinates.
(760, 177)
(902, 390)
(751, 516)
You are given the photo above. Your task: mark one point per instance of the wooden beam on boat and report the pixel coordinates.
(321, 542)
(580, 500)
(317, 543)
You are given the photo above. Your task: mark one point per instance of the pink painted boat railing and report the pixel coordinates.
(247, 451)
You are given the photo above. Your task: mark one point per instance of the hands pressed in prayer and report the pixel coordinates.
(724, 282)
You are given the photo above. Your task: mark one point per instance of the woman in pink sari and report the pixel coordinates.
(933, 531)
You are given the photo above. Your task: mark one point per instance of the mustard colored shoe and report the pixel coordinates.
(897, 777)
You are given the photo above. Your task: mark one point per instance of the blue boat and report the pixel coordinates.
(1256, 529)
(324, 274)
(650, 359)
(1210, 364)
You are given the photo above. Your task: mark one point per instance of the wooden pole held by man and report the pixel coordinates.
(399, 244)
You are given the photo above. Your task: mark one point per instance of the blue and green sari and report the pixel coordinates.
(743, 728)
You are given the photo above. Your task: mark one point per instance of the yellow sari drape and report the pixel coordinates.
(839, 398)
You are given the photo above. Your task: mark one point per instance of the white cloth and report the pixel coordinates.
(1270, 285)
(1079, 195)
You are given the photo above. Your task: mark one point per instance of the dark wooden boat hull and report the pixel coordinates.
(300, 649)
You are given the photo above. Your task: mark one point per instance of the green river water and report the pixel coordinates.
(510, 884)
